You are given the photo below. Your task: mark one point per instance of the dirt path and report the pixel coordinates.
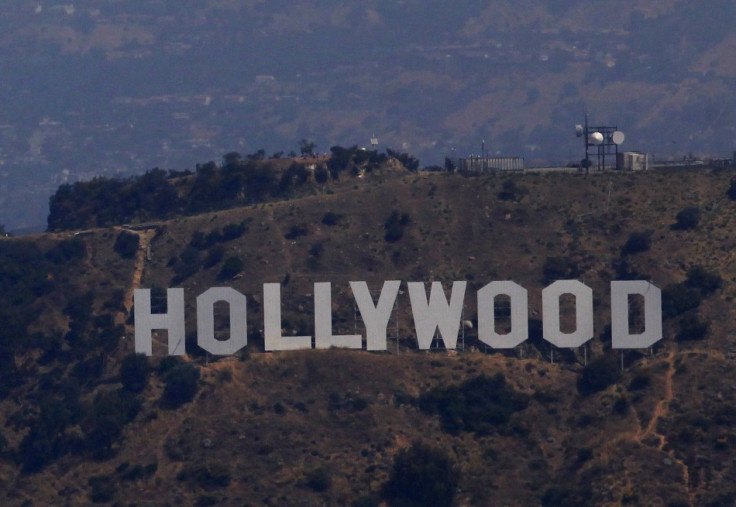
(661, 410)
(145, 237)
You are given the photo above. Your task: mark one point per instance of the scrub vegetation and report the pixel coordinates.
(85, 419)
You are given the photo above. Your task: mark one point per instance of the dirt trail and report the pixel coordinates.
(145, 237)
(661, 409)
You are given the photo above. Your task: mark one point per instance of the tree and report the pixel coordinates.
(731, 192)
(231, 160)
(598, 375)
(421, 475)
(638, 242)
(126, 244)
(306, 148)
(181, 385)
(687, 219)
(231, 267)
(134, 372)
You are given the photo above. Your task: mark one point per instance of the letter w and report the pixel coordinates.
(437, 313)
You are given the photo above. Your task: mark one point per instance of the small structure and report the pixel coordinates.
(486, 164)
(632, 161)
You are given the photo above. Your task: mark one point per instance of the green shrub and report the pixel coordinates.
(233, 231)
(102, 488)
(394, 226)
(559, 268)
(230, 268)
(511, 191)
(331, 218)
(126, 244)
(679, 298)
(297, 231)
(421, 476)
(598, 375)
(214, 255)
(477, 405)
(181, 383)
(638, 242)
(707, 281)
(731, 192)
(209, 477)
(687, 219)
(134, 372)
(319, 479)
(640, 381)
(692, 329)
(69, 250)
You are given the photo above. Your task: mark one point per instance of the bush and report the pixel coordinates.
(214, 255)
(598, 375)
(394, 226)
(216, 475)
(104, 423)
(638, 242)
(511, 191)
(331, 218)
(187, 264)
(559, 268)
(421, 475)
(688, 218)
(297, 231)
(68, 250)
(126, 244)
(181, 385)
(700, 278)
(230, 268)
(477, 405)
(102, 488)
(233, 231)
(640, 381)
(134, 372)
(679, 298)
(731, 192)
(319, 479)
(692, 329)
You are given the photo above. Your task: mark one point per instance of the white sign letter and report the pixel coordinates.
(583, 313)
(206, 321)
(375, 317)
(272, 338)
(621, 338)
(146, 322)
(428, 316)
(487, 317)
(323, 337)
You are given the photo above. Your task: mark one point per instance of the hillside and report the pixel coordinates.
(84, 421)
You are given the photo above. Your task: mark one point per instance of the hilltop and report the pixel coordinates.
(86, 421)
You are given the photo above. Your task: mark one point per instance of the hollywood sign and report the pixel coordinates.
(432, 315)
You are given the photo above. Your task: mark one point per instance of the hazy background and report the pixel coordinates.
(115, 88)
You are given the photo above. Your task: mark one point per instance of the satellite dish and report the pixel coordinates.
(617, 137)
(578, 130)
(595, 138)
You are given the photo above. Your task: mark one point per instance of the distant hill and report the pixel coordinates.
(86, 421)
(119, 88)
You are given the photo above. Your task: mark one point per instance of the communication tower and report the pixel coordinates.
(605, 139)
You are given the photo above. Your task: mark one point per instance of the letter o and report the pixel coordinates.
(583, 313)
(487, 317)
(206, 321)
